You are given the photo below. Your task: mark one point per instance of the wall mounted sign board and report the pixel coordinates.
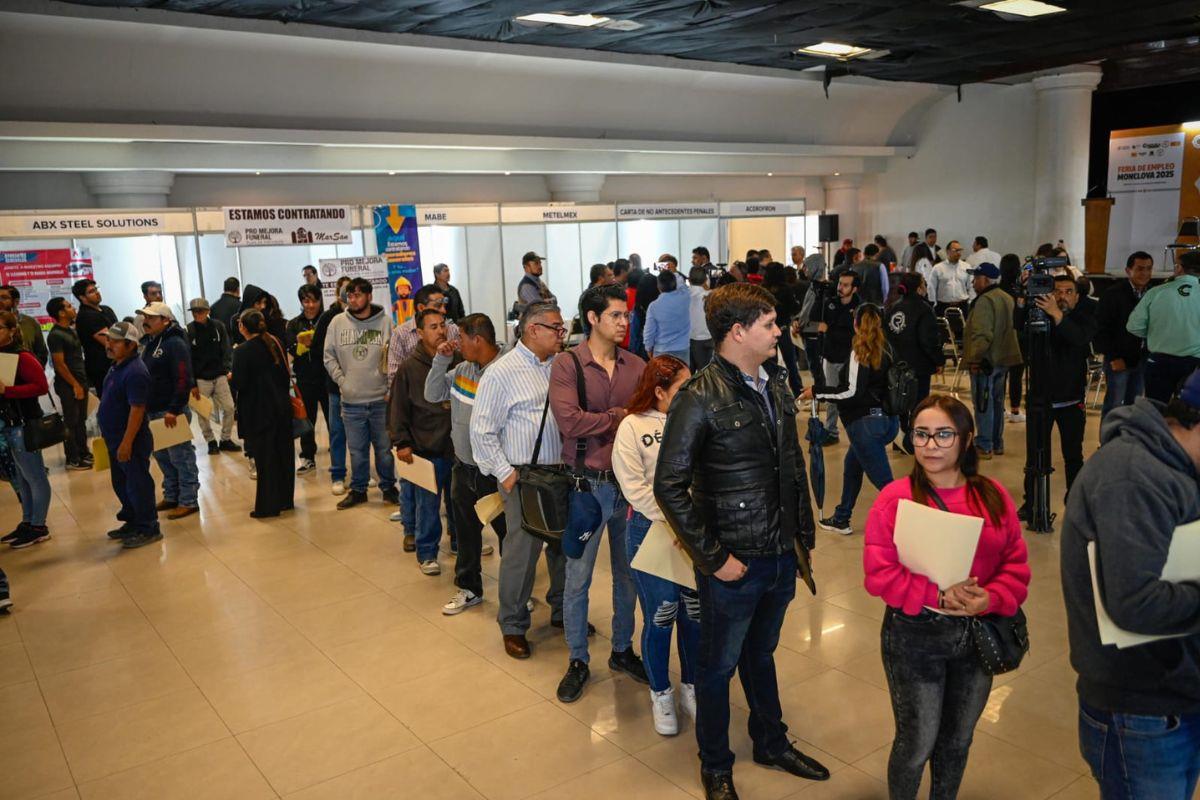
(763, 208)
(558, 212)
(627, 211)
(258, 226)
(66, 224)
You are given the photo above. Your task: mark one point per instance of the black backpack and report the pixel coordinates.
(901, 396)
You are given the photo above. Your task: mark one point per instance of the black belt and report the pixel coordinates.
(601, 475)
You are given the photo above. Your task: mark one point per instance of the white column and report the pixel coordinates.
(578, 187)
(841, 198)
(130, 189)
(1064, 118)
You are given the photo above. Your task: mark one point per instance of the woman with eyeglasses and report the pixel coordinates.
(859, 398)
(937, 686)
(23, 467)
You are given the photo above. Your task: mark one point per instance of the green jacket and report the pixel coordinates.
(989, 335)
(1168, 317)
(31, 335)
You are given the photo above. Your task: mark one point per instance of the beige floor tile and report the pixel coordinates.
(139, 734)
(221, 771)
(9, 631)
(90, 640)
(322, 744)
(399, 655)
(259, 642)
(437, 705)
(829, 634)
(861, 602)
(14, 664)
(867, 668)
(628, 779)
(302, 591)
(63, 794)
(420, 772)
(277, 692)
(194, 615)
(620, 712)
(790, 669)
(1084, 788)
(35, 768)
(840, 714)
(555, 748)
(543, 671)
(1035, 715)
(353, 619)
(848, 784)
(113, 684)
(22, 707)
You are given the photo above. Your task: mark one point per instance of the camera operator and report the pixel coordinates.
(837, 326)
(1069, 337)
(1124, 353)
(1169, 319)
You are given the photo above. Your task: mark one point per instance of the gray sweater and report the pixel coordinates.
(1129, 498)
(459, 386)
(355, 355)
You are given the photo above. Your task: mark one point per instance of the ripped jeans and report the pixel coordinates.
(664, 605)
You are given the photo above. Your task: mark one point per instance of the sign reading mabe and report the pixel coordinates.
(286, 225)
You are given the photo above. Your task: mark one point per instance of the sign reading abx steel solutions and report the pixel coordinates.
(283, 225)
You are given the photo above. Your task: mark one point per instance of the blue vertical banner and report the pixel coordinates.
(396, 240)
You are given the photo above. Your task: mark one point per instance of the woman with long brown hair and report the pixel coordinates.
(23, 467)
(937, 685)
(665, 605)
(860, 403)
(264, 413)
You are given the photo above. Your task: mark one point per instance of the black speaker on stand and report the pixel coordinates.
(827, 227)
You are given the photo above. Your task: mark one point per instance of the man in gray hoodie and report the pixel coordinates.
(355, 353)
(1139, 707)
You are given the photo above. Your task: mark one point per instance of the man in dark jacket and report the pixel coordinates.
(337, 429)
(836, 327)
(454, 304)
(212, 361)
(420, 428)
(732, 485)
(912, 332)
(169, 361)
(308, 369)
(1124, 353)
(90, 323)
(873, 276)
(1070, 337)
(1139, 707)
(226, 307)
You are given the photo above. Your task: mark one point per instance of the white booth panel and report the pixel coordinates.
(444, 244)
(174, 293)
(564, 265)
(698, 233)
(355, 248)
(120, 265)
(217, 261)
(597, 245)
(487, 293)
(278, 271)
(649, 238)
(519, 240)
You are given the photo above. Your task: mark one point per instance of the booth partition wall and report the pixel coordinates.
(670, 228)
(773, 224)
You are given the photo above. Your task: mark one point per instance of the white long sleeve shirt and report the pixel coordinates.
(950, 283)
(634, 457)
(509, 403)
(984, 256)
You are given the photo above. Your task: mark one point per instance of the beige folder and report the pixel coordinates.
(8, 368)
(489, 507)
(935, 543)
(659, 556)
(420, 472)
(165, 437)
(201, 405)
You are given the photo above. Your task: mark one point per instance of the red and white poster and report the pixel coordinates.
(42, 274)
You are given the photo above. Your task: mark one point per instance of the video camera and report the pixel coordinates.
(1039, 284)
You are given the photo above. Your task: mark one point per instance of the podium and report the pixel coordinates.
(1096, 212)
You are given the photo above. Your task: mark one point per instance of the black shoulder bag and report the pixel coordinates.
(1000, 642)
(544, 492)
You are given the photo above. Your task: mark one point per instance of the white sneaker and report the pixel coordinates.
(431, 568)
(253, 470)
(394, 516)
(487, 550)
(529, 605)
(1018, 417)
(372, 483)
(663, 706)
(338, 488)
(687, 699)
(461, 601)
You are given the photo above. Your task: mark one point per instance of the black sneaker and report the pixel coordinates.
(5, 601)
(17, 533)
(830, 440)
(352, 499)
(307, 465)
(836, 525)
(1023, 514)
(213, 448)
(570, 688)
(34, 534)
(392, 496)
(628, 662)
(122, 532)
(77, 466)
(140, 539)
(229, 447)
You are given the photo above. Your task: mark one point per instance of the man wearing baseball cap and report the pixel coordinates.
(212, 360)
(532, 289)
(168, 359)
(126, 432)
(1139, 707)
(990, 347)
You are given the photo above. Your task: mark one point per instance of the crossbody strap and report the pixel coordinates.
(537, 446)
(937, 499)
(581, 390)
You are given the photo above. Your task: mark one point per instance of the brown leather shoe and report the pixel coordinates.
(516, 645)
(179, 512)
(166, 505)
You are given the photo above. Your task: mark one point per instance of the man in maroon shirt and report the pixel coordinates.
(610, 375)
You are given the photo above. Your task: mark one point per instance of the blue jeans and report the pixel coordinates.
(181, 476)
(408, 507)
(30, 482)
(1123, 387)
(661, 606)
(869, 440)
(429, 510)
(133, 484)
(739, 629)
(636, 326)
(613, 509)
(989, 423)
(366, 428)
(337, 439)
(1135, 757)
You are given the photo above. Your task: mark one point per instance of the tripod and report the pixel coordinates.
(1037, 436)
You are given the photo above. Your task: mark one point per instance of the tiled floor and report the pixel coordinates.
(307, 657)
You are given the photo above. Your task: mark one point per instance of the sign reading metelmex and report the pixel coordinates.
(565, 212)
(666, 210)
(763, 208)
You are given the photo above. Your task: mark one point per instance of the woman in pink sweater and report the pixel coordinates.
(937, 686)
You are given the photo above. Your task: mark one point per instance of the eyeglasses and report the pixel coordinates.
(617, 316)
(559, 330)
(941, 438)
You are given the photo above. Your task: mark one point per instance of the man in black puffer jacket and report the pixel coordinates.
(912, 331)
(731, 481)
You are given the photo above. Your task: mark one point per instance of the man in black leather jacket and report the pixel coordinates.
(731, 481)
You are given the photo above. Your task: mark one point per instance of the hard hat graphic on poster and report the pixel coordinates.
(396, 240)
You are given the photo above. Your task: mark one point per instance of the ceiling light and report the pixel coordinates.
(576, 20)
(769, 174)
(391, 173)
(836, 174)
(258, 173)
(1022, 8)
(834, 50)
(508, 173)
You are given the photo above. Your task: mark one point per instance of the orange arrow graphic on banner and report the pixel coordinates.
(395, 219)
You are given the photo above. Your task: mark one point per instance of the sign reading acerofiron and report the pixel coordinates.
(285, 225)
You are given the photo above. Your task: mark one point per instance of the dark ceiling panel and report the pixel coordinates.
(930, 41)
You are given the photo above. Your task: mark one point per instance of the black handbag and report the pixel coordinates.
(1000, 642)
(544, 492)
(45, 431)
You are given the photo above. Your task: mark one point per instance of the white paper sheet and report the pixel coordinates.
(93, 403)
(8, 368)
(1183, 564)
(659, 556)
(936, 543)
(165, 437)
(419, 472)
(488, 507)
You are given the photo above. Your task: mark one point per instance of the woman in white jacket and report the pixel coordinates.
(665, 605)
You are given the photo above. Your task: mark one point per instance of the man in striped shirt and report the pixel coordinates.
(509, 423)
